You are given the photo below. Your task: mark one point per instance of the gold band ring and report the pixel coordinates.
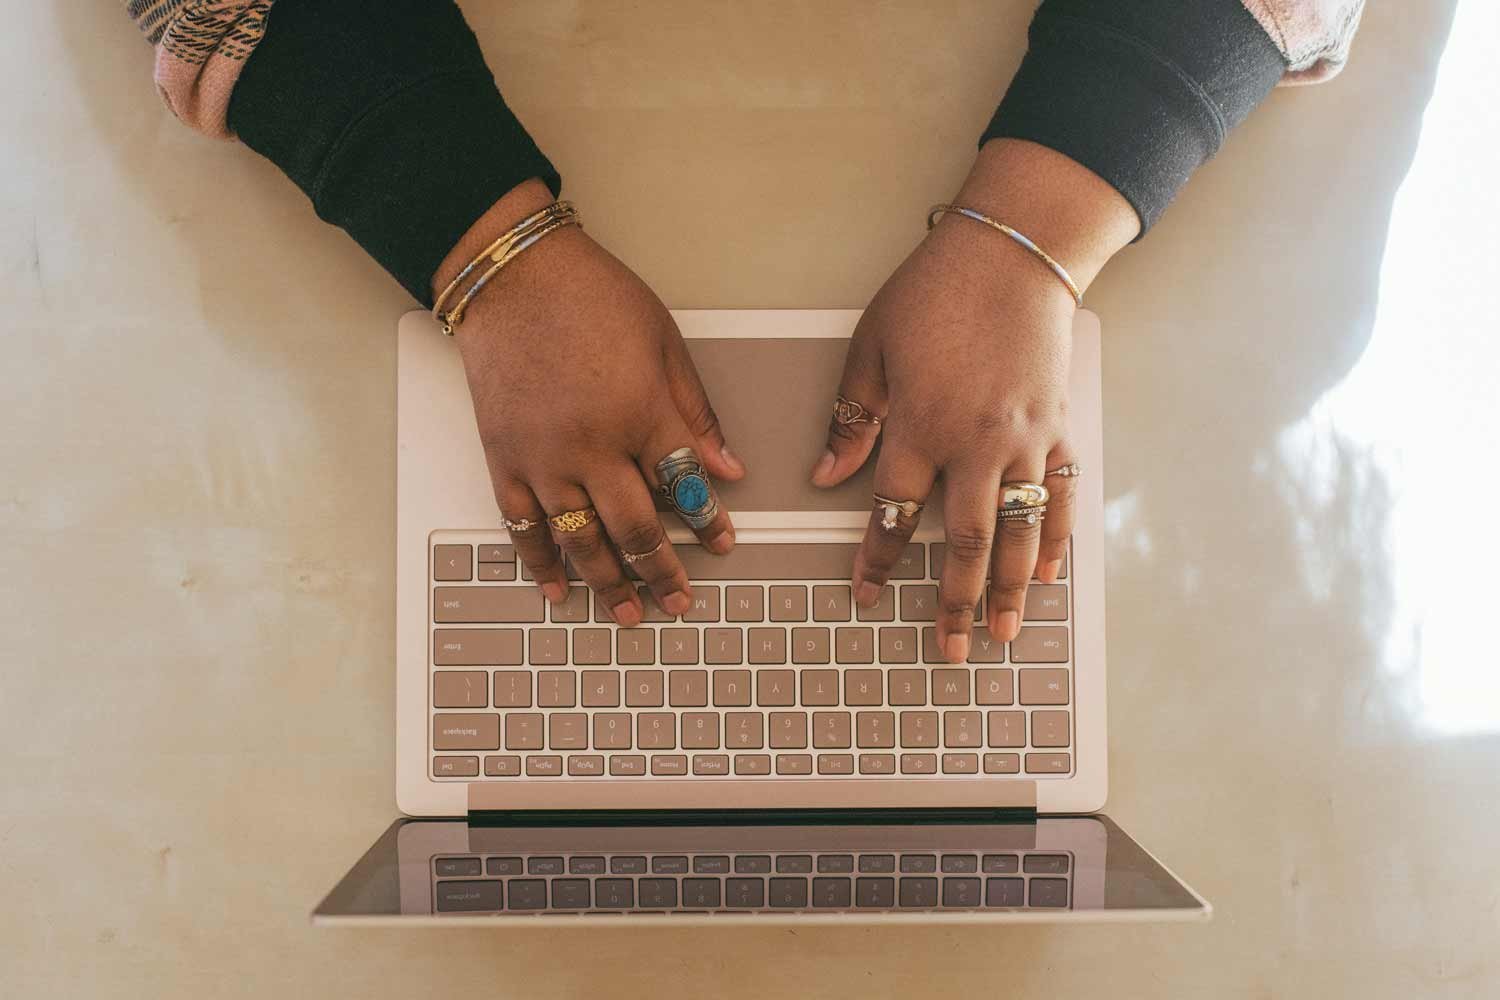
(634, 557)
(891, 509)
(846, 411)
(1066, 471)
(1023, 495)
(572, 520)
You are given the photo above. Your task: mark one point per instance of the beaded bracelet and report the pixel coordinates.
(502, 251)
(1044, 256)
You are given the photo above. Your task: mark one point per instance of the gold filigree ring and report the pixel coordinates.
(573, 520)
(846, 411)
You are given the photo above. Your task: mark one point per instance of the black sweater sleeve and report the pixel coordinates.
(1141, 92)
(386, 115)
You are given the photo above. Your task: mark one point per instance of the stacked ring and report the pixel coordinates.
(519, 526)
(1065, 471)
(1022, 502)
(891, 509)
(573, 520)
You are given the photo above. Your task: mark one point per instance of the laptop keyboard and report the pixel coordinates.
(773, 672)
(581, 883)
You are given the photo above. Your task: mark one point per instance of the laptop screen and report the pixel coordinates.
(1043, 869)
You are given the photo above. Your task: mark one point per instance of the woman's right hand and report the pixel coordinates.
(581, 383)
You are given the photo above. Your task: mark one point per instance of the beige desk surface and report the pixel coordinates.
(196, 504)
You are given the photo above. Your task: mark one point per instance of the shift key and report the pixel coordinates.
(486, 604)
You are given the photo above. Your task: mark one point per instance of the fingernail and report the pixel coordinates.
(1007, 625)
(556, 591)
(1049, 571)
(732, 460)
(824, 468)
(956, 648)
(722, 542)
(675, 603)
(625, 614)
(867, 595)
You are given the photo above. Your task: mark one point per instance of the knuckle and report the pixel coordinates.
(960, 606)
(969, 542)
(639, 537)
(701, 418)
(585, 543)
(1017, 532)
(842, 433)
(1008, 592)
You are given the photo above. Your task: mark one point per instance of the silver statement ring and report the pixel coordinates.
(686, 488)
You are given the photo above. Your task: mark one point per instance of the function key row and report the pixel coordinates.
(951, 863)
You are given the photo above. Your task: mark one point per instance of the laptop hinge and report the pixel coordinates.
(748, 817)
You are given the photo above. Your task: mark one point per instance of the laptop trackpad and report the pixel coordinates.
(774, 398)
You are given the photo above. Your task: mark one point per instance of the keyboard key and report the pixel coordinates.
(452, 562)
(1036, 864)
(788, 730)
(918, 763)
(635, 646)
(644, 688)
(752, 864)
(650, 610)
(752, 763)
(627, 864)
(875, 892)
(701, 893)
(1049, 892)
(835, 864)
(1002, 763)
(497, 553)
(704, 606)
(527, 894)
(700, 730)
(744, 731)
(477, 647)
(669, 763)
(832, 893)
(961, 892)
(794, 864)
(601, 688)
(877, 763)
(554, 689)
(679, 645)
(468, 897)
(985, 648)
(627, 765)
(589, 864)
(919, 602)
(1007, 729)
(908, 687)
(592, 647)
(523, 730)
(504, 866)
(1040, 644)
(835, 763)
(669, 864)
(832, 603)
(656, 731)
(898, 645)
(788, 893)
(820, 687)
(710, 763)
(993, 686)
(574, 608)
(999, 864)
(722, 645)
(960, 763)
(794, 763)
(614, 893)
(687, 688)
(854, 645)
(832, 730)
(864, 687)
(496, 572)
(507, 766)
(770, 561)
(767, 645)
(911, 564)
(731, 687)
(547, 647)
(570, 894)
(455, 767)
(612, 730)
(775, 688)
(875, 730)
(1048, 686)
(919, 729)
(789, 604)
(917, 892)
(568, 731)
(1049, 729)
(963, 729)
(460, 689)
(1048, 763)
(918, 863)
(744, 604)
(585, 765)
(462, 605)
(950, 686)
(810, 645)
(1046, 602)
(931, 653)
(465, 731)
(958, 864)
(658, 893)
(883, 610)
(544, 766)
(1005, 892)
(877, 864)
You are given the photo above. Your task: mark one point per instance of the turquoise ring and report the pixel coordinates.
(686, 489)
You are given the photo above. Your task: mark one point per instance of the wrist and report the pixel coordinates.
(526, 198)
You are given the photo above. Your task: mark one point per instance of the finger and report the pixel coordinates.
(691, 400)
(533, 544)
(589, 549)
(970, 492)
(857, 413)
(1057, 526)
(901, 474)
(632, 523)
(691, 489)
(1014, 559)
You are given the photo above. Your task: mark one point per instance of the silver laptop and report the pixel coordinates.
(776, 752)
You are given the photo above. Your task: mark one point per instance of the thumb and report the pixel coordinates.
(857, 414)
(698, 414)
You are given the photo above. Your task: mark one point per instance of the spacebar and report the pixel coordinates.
(770, 561)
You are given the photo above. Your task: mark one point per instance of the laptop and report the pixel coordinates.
(778, 753)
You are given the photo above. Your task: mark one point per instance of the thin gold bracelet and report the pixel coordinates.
(1044, 256)
(501, 252)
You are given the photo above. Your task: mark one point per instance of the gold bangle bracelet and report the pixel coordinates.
(504, 248)
(454, 317)
(1042, 255)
